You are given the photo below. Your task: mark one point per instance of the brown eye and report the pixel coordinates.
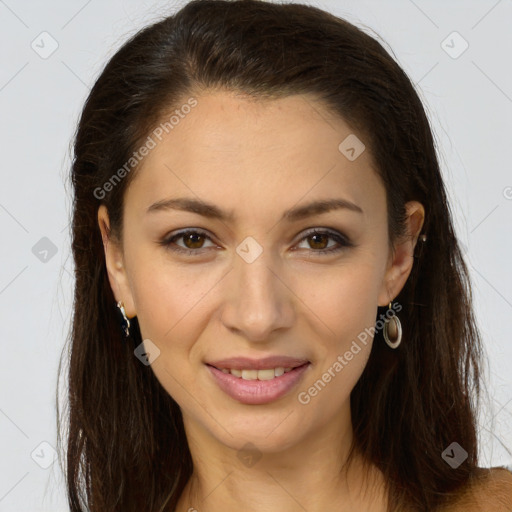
(318, 241)
(193, 241)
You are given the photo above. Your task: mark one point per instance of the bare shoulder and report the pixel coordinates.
(491, 491)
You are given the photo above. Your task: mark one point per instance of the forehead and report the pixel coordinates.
(245, 154)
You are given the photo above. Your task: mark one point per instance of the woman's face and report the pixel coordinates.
(255, 283)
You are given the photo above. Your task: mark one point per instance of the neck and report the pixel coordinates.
(312, 476)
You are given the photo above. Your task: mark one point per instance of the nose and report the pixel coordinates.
(260, 302)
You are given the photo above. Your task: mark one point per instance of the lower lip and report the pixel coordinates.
(257, 392)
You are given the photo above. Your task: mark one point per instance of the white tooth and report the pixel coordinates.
(225, 370)
(249, 374)
(266, 374)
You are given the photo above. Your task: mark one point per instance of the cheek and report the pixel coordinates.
(166, 321)
(169, 307)
(168, 295)
(173, 305)
(343, 311)
(342, 301)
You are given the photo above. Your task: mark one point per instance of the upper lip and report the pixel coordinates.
(245, 363)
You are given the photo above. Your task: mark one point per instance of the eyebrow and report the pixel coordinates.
(212, 211)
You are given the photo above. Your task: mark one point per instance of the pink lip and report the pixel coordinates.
(239, 363)
(258, 392)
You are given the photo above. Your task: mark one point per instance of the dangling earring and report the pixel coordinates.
(125, 323)
(392, 330)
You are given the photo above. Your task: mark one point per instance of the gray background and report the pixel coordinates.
(468, 96)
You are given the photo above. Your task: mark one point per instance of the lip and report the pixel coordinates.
(258, 392)
(245, 363)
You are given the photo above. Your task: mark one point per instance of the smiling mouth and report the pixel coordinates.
(258, 386)
(252, 374)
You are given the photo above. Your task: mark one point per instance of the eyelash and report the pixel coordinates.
(341, 239)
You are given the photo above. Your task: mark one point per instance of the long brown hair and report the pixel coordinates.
(126, 447)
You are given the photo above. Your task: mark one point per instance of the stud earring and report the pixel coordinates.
(392, 330)
(125, 322)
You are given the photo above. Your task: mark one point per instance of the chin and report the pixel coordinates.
(273, 434)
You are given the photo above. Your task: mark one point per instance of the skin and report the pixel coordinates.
(259, 159)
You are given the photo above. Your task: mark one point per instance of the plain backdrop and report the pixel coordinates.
(458, 55)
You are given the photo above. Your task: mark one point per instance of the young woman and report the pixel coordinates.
(272, 311)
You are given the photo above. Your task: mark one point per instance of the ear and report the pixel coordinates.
(401, 256)
(115, 265)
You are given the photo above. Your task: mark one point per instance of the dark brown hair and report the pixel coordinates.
(126, 447)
